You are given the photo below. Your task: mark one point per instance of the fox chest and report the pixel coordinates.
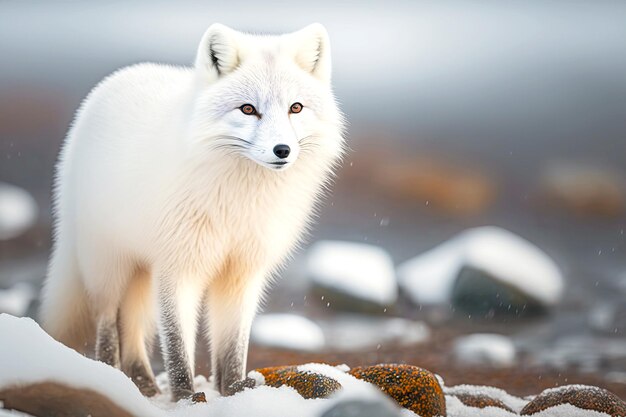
(256, 235)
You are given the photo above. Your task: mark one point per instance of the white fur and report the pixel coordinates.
(152, 197)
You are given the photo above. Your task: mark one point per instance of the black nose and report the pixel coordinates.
(282, 151)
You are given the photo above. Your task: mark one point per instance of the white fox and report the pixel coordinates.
(181, 191)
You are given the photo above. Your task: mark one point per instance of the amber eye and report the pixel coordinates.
(296, 108)
(248, 109)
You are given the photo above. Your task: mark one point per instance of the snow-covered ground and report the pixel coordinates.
(430, 277)
(28, 355)
(356, 269)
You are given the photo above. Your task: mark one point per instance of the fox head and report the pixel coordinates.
(267, 98)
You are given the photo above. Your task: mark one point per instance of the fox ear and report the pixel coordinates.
(218, 53)
(311, 48)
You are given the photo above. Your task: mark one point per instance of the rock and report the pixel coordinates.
(352, 276)
(351, 332)
(17, 299)
(307, 384)
(484, 271)
(586, 190)
(481, 401)
(18, 211)
(484, 396)
(609, 318)
(485, 349)
(447, 187)
(198, 397)
(413, 388)
(481, 294)
(56, 399)
(581, 396)
(362, 408)
(287, 331)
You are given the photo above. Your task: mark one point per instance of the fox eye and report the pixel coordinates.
(248, 109)
(296, 108)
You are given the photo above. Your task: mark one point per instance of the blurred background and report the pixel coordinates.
(476, 227)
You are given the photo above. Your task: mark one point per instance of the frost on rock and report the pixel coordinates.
(505, 257)
(361, 271)
(485, 349)
(511, 401)
(287, 331)
(18, 211)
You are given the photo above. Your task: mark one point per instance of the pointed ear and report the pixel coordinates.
(311, 49)
(218, 53)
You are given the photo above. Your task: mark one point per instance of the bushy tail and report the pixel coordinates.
(65, 312)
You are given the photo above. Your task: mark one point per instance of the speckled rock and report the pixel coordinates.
(198, 397)
(414, 388)
(481, 401)
(581, 396)
(308, 384)
(363, 408)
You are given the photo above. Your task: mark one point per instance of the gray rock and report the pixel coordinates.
(479, 293)
(362, 408)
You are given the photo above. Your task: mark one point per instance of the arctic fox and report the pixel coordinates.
(180, 191)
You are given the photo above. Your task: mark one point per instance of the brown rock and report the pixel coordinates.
(581, 396)
(586, 190)
(447, 187)
(53, 399)
(198, 397)
(481, 401)
(308, 384)
(414, 388)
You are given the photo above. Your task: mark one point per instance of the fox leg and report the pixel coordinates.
(106, 302)
(108, 340)
(178, 301)
(232, 304)
(136, 327)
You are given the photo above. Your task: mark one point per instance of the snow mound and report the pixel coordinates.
(17, 299)
(287, 331)
(18, 211)
(357, 269)
(485, 349)
(31, 356)
(430, 277)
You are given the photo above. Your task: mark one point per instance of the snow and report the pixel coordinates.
(485, 349)
(18, 211)
(17, 299)
(429, 278)
(287, 331)
(28, 355)
(353, 332)
(357, 269)
(456, 408)
(511, 401)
